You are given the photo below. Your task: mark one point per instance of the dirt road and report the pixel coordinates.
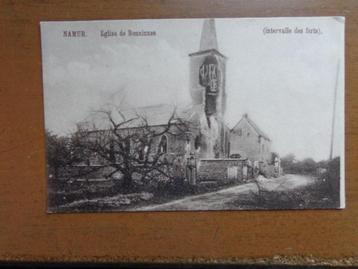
(217, 200)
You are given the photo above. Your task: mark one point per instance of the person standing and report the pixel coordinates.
(178, 171)
(250, 173)
(191, 169)
(256, 168)
(244, 172)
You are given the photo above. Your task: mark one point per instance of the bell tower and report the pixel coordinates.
(207, 90)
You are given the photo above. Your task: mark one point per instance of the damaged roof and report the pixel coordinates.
(155, 115)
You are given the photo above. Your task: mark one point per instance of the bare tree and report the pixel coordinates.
(64, 153)
(61, 152)
(131, 146)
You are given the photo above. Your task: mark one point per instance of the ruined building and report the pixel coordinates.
(208, 136)
(207, 89)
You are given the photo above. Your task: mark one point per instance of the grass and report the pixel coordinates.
(75, 196)
(106, 196)
(316, 195)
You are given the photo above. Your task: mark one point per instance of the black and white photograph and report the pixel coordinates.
(194, 114)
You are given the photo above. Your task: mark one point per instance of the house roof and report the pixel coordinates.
(155, 115)
(253, 125)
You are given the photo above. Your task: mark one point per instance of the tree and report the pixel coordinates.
(61, 152)
(131, 146)
(288, 162)
(308, 166)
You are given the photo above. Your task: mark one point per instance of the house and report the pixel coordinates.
(249, 141)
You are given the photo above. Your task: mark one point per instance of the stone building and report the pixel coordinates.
(207, 89)
(181, 138)
(249, 141)
(208, 136)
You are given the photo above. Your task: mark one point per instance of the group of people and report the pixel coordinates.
(253, 169)
(184, 168)
(250, 169)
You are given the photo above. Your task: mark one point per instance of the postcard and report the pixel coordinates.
(194, 114)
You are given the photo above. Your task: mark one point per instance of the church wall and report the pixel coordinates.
(198, 94)
(176, 142)
(221, 101)
(197, 91)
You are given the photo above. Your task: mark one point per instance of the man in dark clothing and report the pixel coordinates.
(178, 171)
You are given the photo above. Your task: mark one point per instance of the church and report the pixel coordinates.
(208, 136)
(208, 93)
(212, 138)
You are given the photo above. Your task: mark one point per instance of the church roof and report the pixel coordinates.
(253, 125)
(208, 39)
(207, 51)
(154, 115)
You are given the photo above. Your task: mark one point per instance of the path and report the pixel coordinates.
(218, 199)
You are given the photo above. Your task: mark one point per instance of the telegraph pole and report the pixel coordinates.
(334, 112)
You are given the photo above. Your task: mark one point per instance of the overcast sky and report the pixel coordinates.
(285, 82)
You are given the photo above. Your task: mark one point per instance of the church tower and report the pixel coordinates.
(207, 89)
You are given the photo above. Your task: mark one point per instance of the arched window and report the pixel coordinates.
(163, 144)
(142, 151)
(239, 132)
(197, 142)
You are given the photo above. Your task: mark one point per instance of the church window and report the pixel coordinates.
(142, 152)
(141, 155)
(163, 144)
(197, 142)
(239, 132)
(248, 133)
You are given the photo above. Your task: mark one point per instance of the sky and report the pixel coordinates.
(285, 82)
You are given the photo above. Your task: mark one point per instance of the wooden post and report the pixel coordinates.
(334, 112)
